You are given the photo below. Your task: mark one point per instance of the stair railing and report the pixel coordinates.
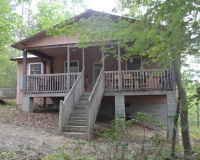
(94, 103)
(67, 107)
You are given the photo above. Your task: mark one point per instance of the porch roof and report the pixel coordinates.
(21, 57)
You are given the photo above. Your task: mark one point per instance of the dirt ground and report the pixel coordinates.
(15, 138)
(37, 133)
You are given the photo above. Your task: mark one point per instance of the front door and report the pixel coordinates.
(96, 69)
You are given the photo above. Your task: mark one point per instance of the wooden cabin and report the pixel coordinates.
(83, 85)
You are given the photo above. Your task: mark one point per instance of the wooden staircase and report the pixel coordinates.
(78, 112)
(76, 126)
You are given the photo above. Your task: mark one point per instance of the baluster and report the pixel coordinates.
(50, 83)
(34, 82)
(62, 80)
(65, 75)
(56, 83)
(157, 86)
(41, 84)
(113, 81)
(59, 83)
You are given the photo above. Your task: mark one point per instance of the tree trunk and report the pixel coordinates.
(183, 111)
(175, 128)
(198, 114)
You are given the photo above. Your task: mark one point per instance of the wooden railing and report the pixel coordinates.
(49, 83)
(94, 102)
(139, 80)
(70, 101)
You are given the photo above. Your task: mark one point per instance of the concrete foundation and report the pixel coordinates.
(163, 105)
(171, 110)
(119, 106)
(159, 109)
(107, 110)
(27, 104)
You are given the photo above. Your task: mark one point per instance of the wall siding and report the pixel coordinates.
(46, 40)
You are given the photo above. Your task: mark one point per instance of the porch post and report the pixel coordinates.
(83, 56)
(119, 69)
(68, 68)
(103, 61)
(24, 70)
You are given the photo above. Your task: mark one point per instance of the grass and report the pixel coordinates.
(195, 140)
(195, 132)
(10, 103)
(7, 106)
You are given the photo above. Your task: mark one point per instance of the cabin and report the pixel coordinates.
(53, 71)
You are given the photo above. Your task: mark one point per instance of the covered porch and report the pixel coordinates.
(65, 66)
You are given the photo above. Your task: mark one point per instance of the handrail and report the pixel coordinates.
(95, 86)
(94, 102)
(66, 107)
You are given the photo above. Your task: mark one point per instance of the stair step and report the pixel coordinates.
(87, 93)
(77, 122)
(78, 117)
(71, 128)
(80, 106)
(84, 97)
(80, 101)
(76, 135)
(80, 111)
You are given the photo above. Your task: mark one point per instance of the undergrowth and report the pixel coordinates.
(115, 143)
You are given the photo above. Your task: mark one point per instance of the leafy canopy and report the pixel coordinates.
(165, 29)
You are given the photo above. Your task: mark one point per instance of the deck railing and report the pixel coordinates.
(70, 101)
(139, 80)
(49, 83)
(94, 102)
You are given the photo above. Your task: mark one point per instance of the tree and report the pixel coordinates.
(8, 22)
(52, 12)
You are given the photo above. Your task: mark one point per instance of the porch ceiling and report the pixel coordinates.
(62, 52)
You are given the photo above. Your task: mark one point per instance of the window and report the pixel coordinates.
(74, 67)
(134, 63)
(35, 68)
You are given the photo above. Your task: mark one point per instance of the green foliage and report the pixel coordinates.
(116, 143)
(55, 12)
(50, 14)
(166, 31)
(8, 22)
(145, 118)
(58, 155)
(195, 133)
(8, 69)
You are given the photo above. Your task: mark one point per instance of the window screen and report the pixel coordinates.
(134, 63)
(36, 68)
